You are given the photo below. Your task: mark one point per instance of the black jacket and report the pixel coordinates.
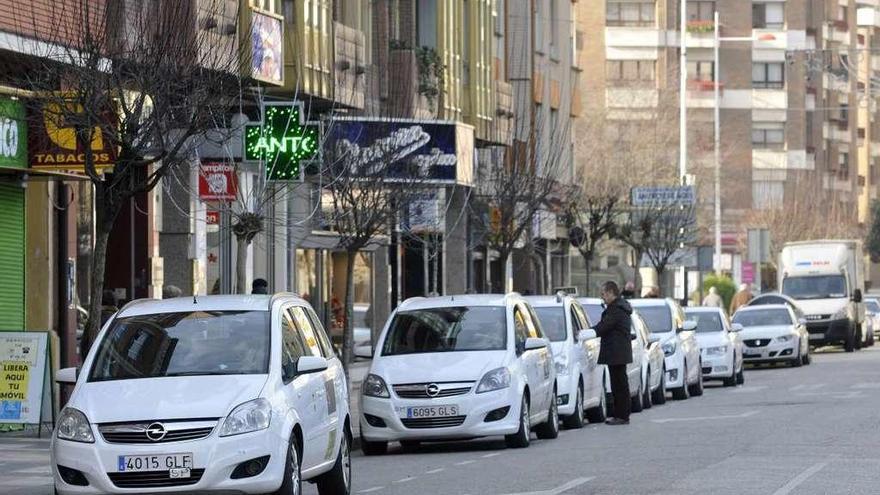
(614, 331)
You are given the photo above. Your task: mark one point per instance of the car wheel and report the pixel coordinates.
(521, 438)
(731, 382)
(576, 420)
(696, 389)
(682, 393)
(637, 405)
(549, 429)
(292, 483)
(338, 480)
(646, 395)
(410, 445)
(659, 395)
(797, 362)
(849, 345)
(597, 414)
(373, 448)
(741, 375)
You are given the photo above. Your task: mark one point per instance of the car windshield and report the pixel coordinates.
(872, 305)
(552, 321)
(707, 321)
(594, 313)
(819, 287)
(477, 328)
(184, 344)
(658, 318)
(764, 317)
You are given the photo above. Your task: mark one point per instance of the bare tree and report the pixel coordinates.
(139, 79)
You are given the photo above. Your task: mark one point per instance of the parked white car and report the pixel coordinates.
(579, 377)
(636, 371)
(239, 394)
(665, 319)
(772, 333)
(872, 307)
(653, 364)
(457, 367)
(720, 345)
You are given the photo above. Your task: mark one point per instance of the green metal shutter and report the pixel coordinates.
(11, 257)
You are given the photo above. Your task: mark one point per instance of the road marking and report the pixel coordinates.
(493, 454)
(556, 491)
(799, 479)
(35, 470)
(707, 418)
(404, 480)
(435, 471)
(371, 490)
(464, 463)
(866, 386)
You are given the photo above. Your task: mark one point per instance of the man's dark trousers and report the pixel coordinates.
(620, 390)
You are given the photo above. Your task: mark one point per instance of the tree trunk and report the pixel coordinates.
(348, 325)
(99, 260)
(588, 271)
(241, 259)
(503, 257)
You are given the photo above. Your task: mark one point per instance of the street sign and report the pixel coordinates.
(218, 181)
(759, 246)
(663, 196)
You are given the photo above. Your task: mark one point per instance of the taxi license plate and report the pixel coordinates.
(752, 353)
(177, 465)
(430, 411)
(816, 336)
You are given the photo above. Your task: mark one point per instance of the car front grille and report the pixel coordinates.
(707, 370)
(423, 423)
(756, 342)
(154, 479)
(176, 431)
(420, 390)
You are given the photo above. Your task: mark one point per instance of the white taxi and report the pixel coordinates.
(721, 345)
(579, 377)
(231, 394)
(455, 367)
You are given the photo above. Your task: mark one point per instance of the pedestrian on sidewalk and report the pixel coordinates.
(615, 348)
(629, 290)
(741, 298)
(712, 299)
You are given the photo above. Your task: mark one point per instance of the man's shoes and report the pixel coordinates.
(616, 421)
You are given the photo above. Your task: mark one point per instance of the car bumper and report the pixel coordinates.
(474, 408)
(774, 351)
(828, 332)
(566, 393)
(217, 457)
(675, 370)
(717, 367)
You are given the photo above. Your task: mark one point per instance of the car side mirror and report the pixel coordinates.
(310, 364)
(736, 327)
(66, 375)
(802, 321)
(534, 343)
(688, 326)
(587, 334)
(857, 296)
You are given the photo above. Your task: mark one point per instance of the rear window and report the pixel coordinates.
(476, 328)
(658, 318)
(706, 321)
(760, 318)
(184, 344)
(552, 321)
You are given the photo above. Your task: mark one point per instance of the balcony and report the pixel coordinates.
(349, 65)
(501, 130)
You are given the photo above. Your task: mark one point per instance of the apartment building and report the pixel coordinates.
(795, 109)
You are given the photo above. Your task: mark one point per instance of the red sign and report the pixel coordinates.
(748, 273)
(217, 181)
(212, 217)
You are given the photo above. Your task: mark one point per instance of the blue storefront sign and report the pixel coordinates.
(442, 151)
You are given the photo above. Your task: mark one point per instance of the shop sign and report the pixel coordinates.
(218, 181)
(13, 134)
(267, 47)
(426, 213)
(53, 144)
(22, 376)
(282, 142)
(443, 151)
(212, 217)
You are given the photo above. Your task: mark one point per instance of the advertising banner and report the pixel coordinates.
(218, 181)
(52, 141)
(267, 47)
(22, 376)
(13, 134)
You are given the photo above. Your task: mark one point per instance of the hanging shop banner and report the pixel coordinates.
(13, 134)
(218, 181)
(267, 42)
(283, 142)
(52, 141)
(443, 151)
(22, 376)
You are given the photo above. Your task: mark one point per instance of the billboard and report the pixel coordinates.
(52, 139)
(267, 42)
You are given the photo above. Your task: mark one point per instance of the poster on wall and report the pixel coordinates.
(217, 181)
(22, 376)
(267, 41)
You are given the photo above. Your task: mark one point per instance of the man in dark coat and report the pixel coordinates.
(616, 348)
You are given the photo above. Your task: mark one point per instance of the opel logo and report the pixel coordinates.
(433, 390)
(156, 432)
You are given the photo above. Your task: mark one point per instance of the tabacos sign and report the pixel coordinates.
(53, 143)
(13, 134)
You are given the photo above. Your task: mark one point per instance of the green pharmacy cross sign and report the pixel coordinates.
(283, 141)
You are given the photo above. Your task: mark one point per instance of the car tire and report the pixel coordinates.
(598, 414)
(636, 404)
(337, 481)
(292, 483)
(807, 359)
(731, 380)
(682, 393)
(646, 396)
(575, 421)
(741, 375)
(797, 362)
(522, 437)
(849, 345)
(549, 429)
(659, 396)
(696, 389)
(373, 448)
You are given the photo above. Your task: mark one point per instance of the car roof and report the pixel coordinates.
(249, 302)
(702, 309)
(414, 303)
(590, 300)
(763, 306)
(645, 302)
(547, 301)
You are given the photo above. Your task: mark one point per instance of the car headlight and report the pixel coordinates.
(374, 386)
(784, 338)
(250, 416)
(74, 426)
(494, 380)
(669, 347)
(561, 366)
(716, 351)
(841, 314)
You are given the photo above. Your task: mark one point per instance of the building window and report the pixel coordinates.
(554, 23)
(630, 72)
(769, 15)
(427, 23)
(701, 10)
(768, 75)
(843, 164)
(633, 14)
(767, 195)
(701, 71)
(540, 19)
(768, 135)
